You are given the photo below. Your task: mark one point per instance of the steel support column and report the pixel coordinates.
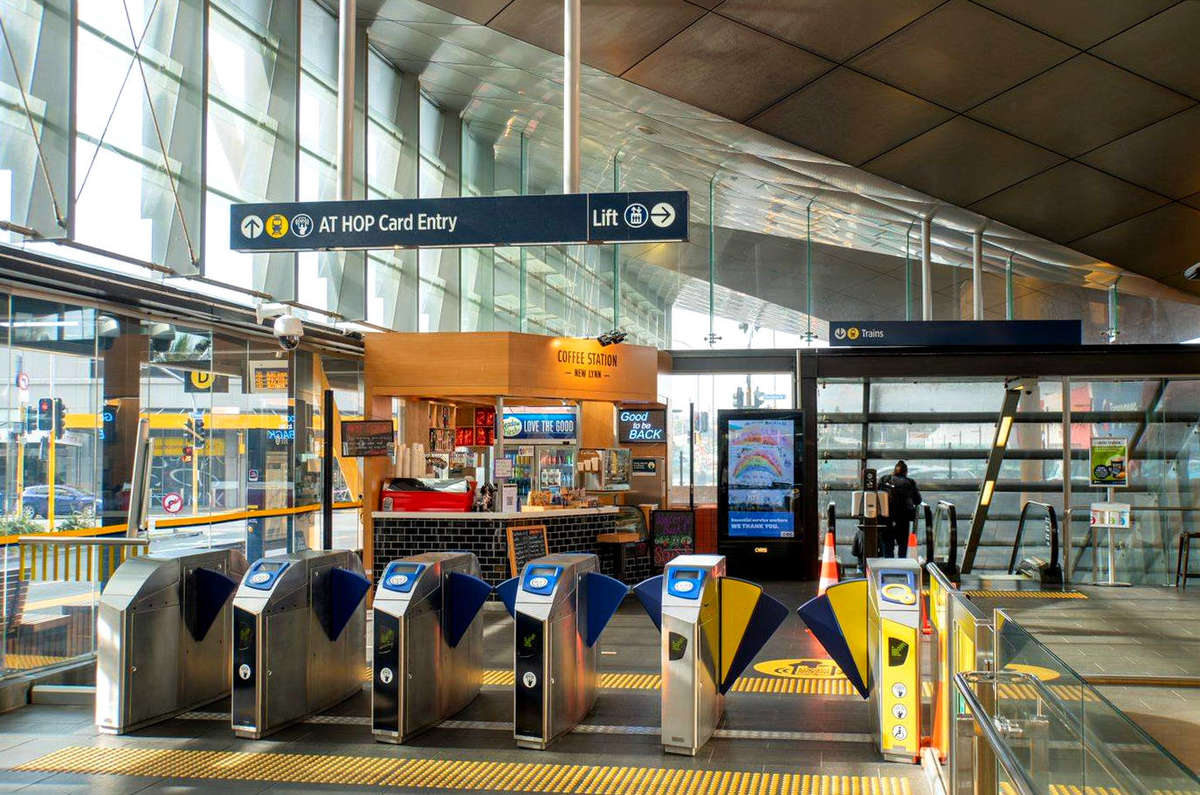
(571, 48)
(926, 269)
(347, 22)
(977, 275)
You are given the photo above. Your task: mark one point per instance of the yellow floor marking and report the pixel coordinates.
(1025, 594)
(816, 686)
(389, 771)
(21, 662)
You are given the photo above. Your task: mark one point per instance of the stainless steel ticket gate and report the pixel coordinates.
(162, 636)
(872, 630)
(428, 647)
(712, 626)
(298, 638)
(561, 604)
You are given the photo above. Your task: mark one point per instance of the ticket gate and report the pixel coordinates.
(712, 626)
(162, 636)
(298, 630)
(872, 630)
(428, 647)
(561, 603)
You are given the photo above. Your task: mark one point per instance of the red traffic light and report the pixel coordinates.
(45, 404)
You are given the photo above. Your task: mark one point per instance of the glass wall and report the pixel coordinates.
(168, 128)
(705, 394)
(236, 438)
(944, 432)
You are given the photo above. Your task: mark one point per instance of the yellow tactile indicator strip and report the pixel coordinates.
(474, 775)
(1025, 594)
(816, 686)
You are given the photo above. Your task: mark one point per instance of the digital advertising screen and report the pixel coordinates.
(759, 477)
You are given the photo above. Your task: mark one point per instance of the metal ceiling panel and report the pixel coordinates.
(849, 116)
(836, 29)
(1161, 157)
(960, 55)
(480, 11)
(1069, 201)
(1079, 105)
(1082, 23)
(716, 51)
(1162, 48)
(504, 87)
(1164, 242)
(615, 35)
(962, 161)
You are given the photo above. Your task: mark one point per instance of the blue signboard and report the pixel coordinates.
(642, 217)
(954, 333)
(538, 426)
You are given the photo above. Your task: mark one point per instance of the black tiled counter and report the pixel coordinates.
(399, 535)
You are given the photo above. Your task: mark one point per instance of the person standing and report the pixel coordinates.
(903, 499)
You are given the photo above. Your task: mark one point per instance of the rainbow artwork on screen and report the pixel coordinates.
(761, 478)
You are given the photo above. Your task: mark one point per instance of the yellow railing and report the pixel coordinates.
(189, 521)
(81, 559)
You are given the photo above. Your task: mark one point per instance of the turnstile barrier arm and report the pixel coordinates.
(345, 592)
(208, 591)
(838, 620)
(749, 617)
(507, 591)
(649, 593)
(464, 596)
(604, 596)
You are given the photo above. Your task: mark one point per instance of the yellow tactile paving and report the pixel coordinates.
(815, 686)
(1025, 594)
(451, 774)
(21, 662)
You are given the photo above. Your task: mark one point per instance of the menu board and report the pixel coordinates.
(761, 477)
(368, 438)
(525, 543)
(672, 533)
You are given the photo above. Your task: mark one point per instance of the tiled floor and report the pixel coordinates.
(1143, 631)
(630, 644)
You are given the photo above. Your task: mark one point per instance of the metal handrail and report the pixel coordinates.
(91, 541)
(1053, 539)
(1107, 759)
(1020, 778)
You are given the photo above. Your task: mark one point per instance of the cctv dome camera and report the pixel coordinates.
(288, 330)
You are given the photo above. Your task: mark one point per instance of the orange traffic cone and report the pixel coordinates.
(829, 565)
(912, 542)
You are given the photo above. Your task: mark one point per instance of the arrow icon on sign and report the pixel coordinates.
(663, 215)
(251, 227)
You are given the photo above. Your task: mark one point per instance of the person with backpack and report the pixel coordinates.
(903, 499)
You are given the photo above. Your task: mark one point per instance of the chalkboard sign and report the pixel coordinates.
(672, 533)
(525, 543)
(368, 437)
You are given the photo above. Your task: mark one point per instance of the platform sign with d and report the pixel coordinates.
(1108, 461)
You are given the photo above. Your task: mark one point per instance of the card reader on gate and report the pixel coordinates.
(685, 583)
(263, 573)
(400, 576)
(898, 588)
(541, 579)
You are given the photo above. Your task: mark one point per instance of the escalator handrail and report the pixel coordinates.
(944, 508)
(1052, 515)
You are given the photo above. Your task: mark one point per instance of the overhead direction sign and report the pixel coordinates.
(954, 333)
(475, 221)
